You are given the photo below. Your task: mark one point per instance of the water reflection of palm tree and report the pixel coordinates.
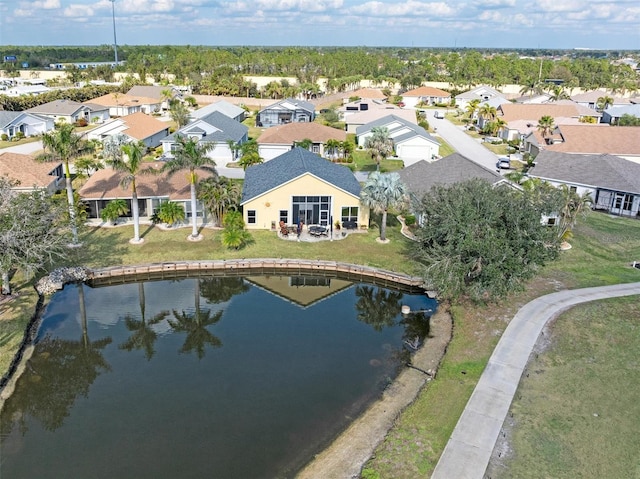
(59, 371)
(417, 327)
(143, 336)
(377, 307)
(195, 325)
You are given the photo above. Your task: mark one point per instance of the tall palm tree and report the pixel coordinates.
(558, 93)
(382, 192)
(180, 113)
(546, 125)
(64, 145)
(331, 148)
(219, 195)
(472, 106)
(487, 112)
(191, 155)
(379, 144)
(131, 167)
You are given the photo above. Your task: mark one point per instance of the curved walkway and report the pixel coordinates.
(471, 444)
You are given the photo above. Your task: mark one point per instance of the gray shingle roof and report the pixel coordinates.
(228, 129)
(304, 105)
(290, 165)
(7, 117)
(224, 107)
(58, 107)
(455, 168)
(384, 121)
(602, 171)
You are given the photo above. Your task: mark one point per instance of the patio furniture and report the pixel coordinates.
(317, 230)
(350, 225)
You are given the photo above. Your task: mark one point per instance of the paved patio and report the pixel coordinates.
(307, 237)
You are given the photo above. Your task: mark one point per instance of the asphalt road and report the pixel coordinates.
(461, 142)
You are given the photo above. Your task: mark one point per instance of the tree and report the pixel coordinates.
(558, 93)
(331, 148)
(31, 232)
(249, 154)
(629, 120)
(382, 192)
(546, 125)
(377, 307)
(482, 241)
(129, 164)
(604, 102)
(234, 235)
(64, 145)
(305, 143)
(179, 113)
(573, 205)
(86, 165)
(379, 144)
(472, 106)
(192, 156)
(170, 212)
(114, 210)
(219, 194)
(487, 112)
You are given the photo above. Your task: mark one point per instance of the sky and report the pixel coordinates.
(594, 24)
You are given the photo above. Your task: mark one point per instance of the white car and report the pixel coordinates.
(503, 163)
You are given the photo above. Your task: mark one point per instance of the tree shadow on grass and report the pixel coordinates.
(105, 249)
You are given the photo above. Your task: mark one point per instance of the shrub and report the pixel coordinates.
(410, 220)
(81, 122)
(113, 210)
(4, 137)
(170, 212)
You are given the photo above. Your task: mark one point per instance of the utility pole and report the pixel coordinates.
(115, 43)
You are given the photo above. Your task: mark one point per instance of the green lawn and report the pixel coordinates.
(576, 412)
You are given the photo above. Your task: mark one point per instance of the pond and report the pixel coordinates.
(226, 377)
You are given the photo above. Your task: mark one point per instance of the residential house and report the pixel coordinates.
(522, 119)
(299, 185)
(622, 141)
(152, 189)
(120, 104)
(29, 124)
(279, 139)
(137, 126)
(613, 114)
(422, 176)
(482, 93)
(23, 90)
(217, 129)
(612, 182)
(425, 95)
(288, 110)
(354, 120)
(157, 92)
(590, 98)
(411, 142)
(71, 112)
(229, 109)
(31, 174)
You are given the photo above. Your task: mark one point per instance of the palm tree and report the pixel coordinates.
(487, 112)
(179, 113)
(379, 144)
(64, 145)
(545, 126)
(131, 167)
(558, 93)
(191, 155)
(170, 212)
(331, 148)
(472, 107)
(114, 209)
(377, 307)
(574, 204)
(219, 194)
(382, 192)
(305, 143)
(604, 102)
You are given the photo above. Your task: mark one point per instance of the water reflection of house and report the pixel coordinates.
(303, 290)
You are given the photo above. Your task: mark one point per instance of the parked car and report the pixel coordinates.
(438, 114)
(503, 163)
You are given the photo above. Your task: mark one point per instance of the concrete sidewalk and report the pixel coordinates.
(469, 449)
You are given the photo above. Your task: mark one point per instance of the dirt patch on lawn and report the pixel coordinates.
(345, 457)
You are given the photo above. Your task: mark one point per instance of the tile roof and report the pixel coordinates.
(593, 95)
(287, 134)
(149, 91)
(615, 140)
(26, 170)
(455, 168)
(535, 111)
(602, 171)
(368, 93)
(426, 91)
(291, 165)
(105, 184)
(141, 126)
(111, 99)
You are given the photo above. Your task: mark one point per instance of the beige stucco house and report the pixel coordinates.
(299, 185)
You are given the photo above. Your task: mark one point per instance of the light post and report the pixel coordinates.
(115, 43)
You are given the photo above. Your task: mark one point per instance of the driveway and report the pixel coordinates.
(461, 142)
(24, 149)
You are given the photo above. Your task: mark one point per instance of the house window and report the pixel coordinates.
(251, 217)
(573, 189)
(284, 216)
(349, 213)
(313, 210)
(627, 202)
(316, 149)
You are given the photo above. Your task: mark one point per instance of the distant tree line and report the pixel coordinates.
(220, 70)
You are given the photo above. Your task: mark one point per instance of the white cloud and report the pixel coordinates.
(301, 6)
(411, 8)
(561, 5)
(494, 3)
(78, 11)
